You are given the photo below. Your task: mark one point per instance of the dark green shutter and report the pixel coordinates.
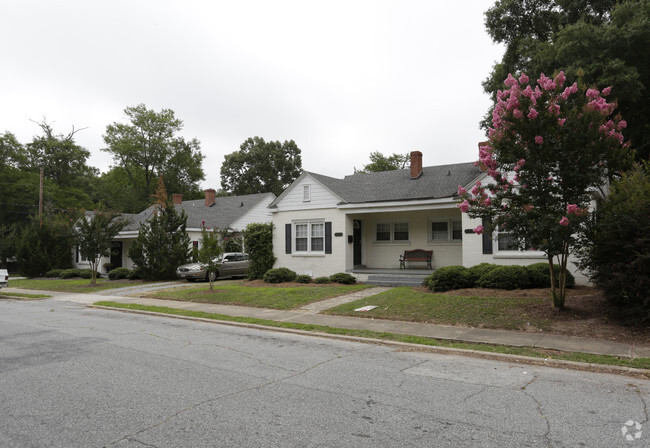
(487, 237)
(328, 237)
(287, 238)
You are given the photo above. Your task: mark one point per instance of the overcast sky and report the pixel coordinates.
(340, 78)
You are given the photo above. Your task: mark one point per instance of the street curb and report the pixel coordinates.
(406, 346)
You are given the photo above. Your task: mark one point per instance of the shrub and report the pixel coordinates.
(343, 278)
(477, 271)
(135, 274)
(70, 273)
(449, 277)
(279, 275)
(505, 277)
(87, 273)
(119, 273)
(322, 280)
(303, 279)
(258, 240)
(54, 273)
(540, 276)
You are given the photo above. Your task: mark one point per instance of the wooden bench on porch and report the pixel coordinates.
(416, 255)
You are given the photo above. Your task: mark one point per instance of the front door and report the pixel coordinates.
(357, 242)
(116, 254)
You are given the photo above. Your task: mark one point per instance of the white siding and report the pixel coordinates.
(321, 197)
(315, 265)
(258, 214)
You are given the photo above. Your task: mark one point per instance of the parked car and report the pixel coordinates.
(4, 278)
(233, 264)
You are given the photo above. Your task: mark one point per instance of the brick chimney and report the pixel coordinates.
(210, 194)
(177, 198)
(416, 164)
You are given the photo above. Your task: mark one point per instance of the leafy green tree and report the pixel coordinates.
(209, 253)
(617, 251)
(607, 39)
(550, 148)
(258, 241)
(261, 167)
(148, 146)
(162, 243)
(380, 162)
(41, 247)
(93, 235)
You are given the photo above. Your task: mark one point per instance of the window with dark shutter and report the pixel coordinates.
(287, 238)
(328, 237)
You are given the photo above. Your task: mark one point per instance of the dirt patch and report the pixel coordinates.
(585, 314)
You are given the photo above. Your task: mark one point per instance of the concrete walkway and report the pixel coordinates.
(309, 315)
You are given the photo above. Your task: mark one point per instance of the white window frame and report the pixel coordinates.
(309, 223)
(306, 193)
(391, 226)
(511, 253)
(450, 230)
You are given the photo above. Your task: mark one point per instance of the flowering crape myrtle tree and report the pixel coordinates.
(550, 147)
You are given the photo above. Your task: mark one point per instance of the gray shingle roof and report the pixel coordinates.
(435, 182)
(225, 211)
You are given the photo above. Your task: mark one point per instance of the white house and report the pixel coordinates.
(364, 222)
(233, 212)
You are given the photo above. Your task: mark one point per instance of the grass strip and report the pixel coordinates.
(24, 296)
(638, 363)
(277, 298)
(72, 285)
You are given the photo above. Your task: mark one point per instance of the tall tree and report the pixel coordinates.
(550, 148)
(162, 243)
(380, 162)
(148, 146)
(209, 253)
(93, 235)
(608, 39)
(261, 167)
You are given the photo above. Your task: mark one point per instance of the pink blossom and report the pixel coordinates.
(539, 139)
(532, 114)
(479, 230)
(554, 109)
(538, 92)
(572, 209)
(521, 162)
(622, 124)
(606, 91)
(464, 206)
(564, 221)
(488, 201)
(592, 93)
(461, 191)
(510, 80)
(574, 87)
(523, 79)
(560, 78)
(561, 121)
(517, 113)
(475, 190)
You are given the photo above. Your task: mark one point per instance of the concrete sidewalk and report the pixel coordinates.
(309, 315)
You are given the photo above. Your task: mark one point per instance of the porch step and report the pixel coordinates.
(395, 280)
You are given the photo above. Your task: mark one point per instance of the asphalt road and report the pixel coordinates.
(77, 377)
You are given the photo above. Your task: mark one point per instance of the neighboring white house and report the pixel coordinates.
(324, 225)
(233, 212)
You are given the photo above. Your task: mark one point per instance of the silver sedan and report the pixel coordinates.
(233, 264)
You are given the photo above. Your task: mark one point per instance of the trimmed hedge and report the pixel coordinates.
(72, 273)
(479, 270)
(54, 273)
(448, 278)
(303, 279)
(322, 280)
(540, 276)
(343, 278)
(135, 274)
(506, 277)
(279, 275)
(119, 273)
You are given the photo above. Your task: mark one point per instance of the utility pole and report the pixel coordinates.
(40, 199)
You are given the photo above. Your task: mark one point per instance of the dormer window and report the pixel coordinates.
(306, 193)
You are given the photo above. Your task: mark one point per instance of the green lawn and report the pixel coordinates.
(19, 295)
(70, 284)
(407, 304)
(264, 297)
